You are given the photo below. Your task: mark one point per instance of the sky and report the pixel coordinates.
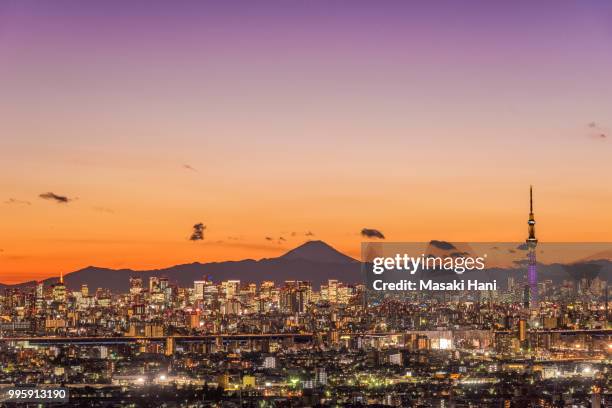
(296, 119)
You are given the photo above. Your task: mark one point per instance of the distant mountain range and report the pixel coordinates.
(314, 261)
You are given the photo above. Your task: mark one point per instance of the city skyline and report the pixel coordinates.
(232, 116)
(306, 203)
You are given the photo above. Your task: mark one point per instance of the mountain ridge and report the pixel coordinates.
(316, 260)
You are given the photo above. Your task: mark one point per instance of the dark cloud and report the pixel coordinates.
(188, 167)
(198, 232)
(293, 234)
(442, 245)
(55, 197)
(281, 239)
(592, 125)
(17, 202)
(372, 233)
(269, 239)
(309, 233)
(602, 135)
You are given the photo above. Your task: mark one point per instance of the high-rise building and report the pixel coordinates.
(198, 289)
(269, 362)
(135, 286)
(332, 291)
(230, 288)
(163, 283)
(40, 296)
(320, 376)
(266, 289)
(59, 290)
(295, 296)
(40, 287)
(532, 241)
(522, 331)
(153, 284)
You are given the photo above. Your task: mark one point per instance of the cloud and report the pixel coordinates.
(17, 202)
(55, 197)
(309, 233)
(269, 239)
(601, 133)
(372, 233)
(198, 232)
(442, 244)
(188, 167)
(104, 210)
(281, 239)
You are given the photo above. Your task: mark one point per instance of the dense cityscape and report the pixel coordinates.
(237, 343)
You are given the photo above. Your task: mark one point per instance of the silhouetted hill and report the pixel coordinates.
(314, 261)
(317, 251)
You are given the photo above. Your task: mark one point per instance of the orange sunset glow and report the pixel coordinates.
(270, 136)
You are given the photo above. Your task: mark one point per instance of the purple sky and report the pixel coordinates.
(298, 115)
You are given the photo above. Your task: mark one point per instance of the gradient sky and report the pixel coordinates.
(425, 120)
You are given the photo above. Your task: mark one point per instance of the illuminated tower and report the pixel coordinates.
(532, 241)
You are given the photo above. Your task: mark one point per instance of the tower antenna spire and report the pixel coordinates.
(531, 222)
(532, 241)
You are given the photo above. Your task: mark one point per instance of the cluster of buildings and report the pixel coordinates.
(237, 341)
(533, 344)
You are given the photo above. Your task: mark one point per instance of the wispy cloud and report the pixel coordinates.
(55, 197)
(597, 131)
(15, 201)
(104, 210)
(188, 167)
